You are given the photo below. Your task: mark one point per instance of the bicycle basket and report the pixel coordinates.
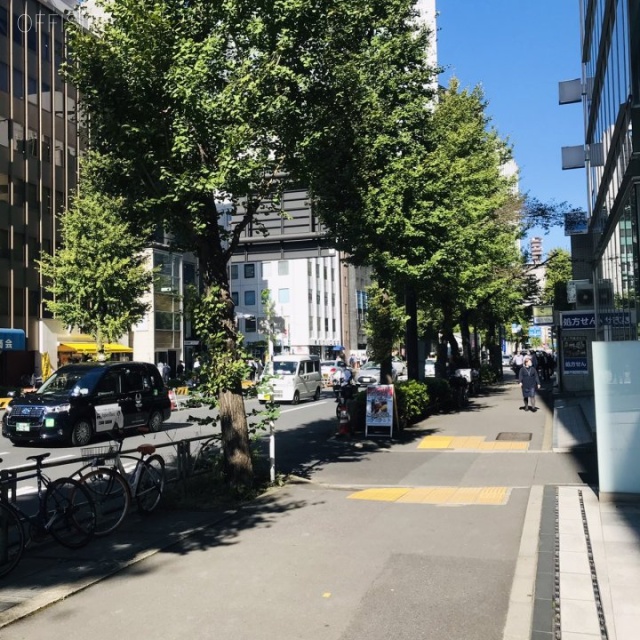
(102, 453)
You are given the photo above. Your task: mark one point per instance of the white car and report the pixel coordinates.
(399, 366)
(369, 373)
(430, 368)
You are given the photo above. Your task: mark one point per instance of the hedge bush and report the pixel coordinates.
(412, 397)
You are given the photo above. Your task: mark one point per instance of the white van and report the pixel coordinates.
(292, 378)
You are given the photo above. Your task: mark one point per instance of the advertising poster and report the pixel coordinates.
(574, 355)
(379, 416)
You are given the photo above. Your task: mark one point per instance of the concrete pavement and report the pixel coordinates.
(483, 524)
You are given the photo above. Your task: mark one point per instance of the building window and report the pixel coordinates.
(283, 296)
(283, 267)
(4, 133)
(310, 324)
(233, 271)
(317, 297)
(32, 194)
(59, 202)
(34, 303)
(32, 90)
(45, 48)
(18, 302)
(59, 154)
(326, 298)
(46, 96)
(333, 274)
(18, 137)
(4, 244)
(250, 298)
(32, 144)
(333, 325)
(189, 273)
(4, 301)
(250, 325)
(249, 271)
(32, 35)
(4, 22)
(4, 187)
(18, 84)
(310, 296)
(266, 269)
(4, 77)
(234, 298)
(309, 269)
(46, 199)
(324, 269)
(326, 325)
(19, 27)
(18, 192)
(46, 148)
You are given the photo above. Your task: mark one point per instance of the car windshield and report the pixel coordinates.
(285, 368)
(70, 382)
(370, 365)
(329, 363)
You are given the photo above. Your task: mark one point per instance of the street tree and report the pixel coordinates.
(195, 107)
(98, 279)
(557, 273)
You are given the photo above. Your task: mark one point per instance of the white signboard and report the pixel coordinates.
(379, 409)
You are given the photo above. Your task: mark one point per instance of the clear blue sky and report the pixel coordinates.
(518, 51)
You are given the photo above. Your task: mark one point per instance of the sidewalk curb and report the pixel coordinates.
(521, 601)
(61, 592)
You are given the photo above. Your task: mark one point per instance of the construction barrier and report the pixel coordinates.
(4, 402)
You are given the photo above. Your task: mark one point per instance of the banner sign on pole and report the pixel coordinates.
(379, 410)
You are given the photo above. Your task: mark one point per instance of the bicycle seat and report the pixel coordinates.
(39, 457)
(146, 449)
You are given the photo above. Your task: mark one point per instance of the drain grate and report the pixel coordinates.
(513, 436)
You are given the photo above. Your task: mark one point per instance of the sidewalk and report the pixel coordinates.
(577, 575)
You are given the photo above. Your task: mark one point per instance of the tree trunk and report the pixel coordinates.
(411, 333)
(238, 465)
(465, 331)
(236, 450)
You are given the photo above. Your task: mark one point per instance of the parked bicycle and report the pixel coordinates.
(65, 510)
(113, 486)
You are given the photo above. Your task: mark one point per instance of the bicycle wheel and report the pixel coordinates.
(69, 513)
(110, 493)
(11, 539)
(206, 457)
(150, 484)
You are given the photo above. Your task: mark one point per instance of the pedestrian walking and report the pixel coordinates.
(529, 383)
(517, 362)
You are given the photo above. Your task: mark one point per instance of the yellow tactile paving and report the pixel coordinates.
(435, 442)
(436, 495)
(383, 494)
(471, 443)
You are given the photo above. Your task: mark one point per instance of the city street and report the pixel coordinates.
(402, 539)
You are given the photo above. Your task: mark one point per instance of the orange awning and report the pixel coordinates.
(91, 347)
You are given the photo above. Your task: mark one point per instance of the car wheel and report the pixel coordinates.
(296, 398)
(316, 395)
(81, 433)
(155, 421)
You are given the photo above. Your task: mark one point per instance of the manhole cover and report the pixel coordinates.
(514, 437)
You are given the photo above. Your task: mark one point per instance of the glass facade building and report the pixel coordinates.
(611, 97)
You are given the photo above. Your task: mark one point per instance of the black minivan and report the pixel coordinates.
(80, 400)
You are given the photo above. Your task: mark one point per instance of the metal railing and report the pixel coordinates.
(179, 466)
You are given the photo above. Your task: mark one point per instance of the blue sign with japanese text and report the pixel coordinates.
(587, 319)
(12, 340)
